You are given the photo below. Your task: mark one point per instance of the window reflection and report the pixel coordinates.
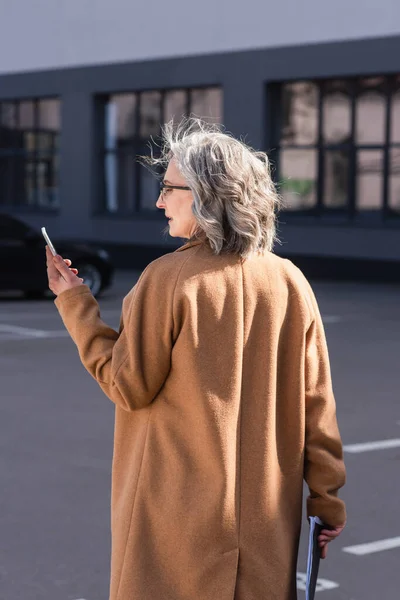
(300, 113)
(111, 181)
(45, 142)
(369, 179)
(110, 125)
(394, 180)
(29, 138)
(8, 114)
(206, 104)
(26, 117)
(336, 168)
(29, 181)
(49, 114)
(175, 105)
(336, 118)
(395, 118)
(119, 179)
(120, 118)
(150, 113)
(298, 178)
(370, 118)
(127, 181)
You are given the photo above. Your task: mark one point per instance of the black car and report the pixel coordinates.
(23, 260)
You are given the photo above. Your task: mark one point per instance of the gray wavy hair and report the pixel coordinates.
(235, 200)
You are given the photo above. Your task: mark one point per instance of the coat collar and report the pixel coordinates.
(189, 245)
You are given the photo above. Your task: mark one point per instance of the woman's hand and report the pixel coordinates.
(61, 276)
(326, 536)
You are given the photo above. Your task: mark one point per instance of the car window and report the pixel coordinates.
(12, 228)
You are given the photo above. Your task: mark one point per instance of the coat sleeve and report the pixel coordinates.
(130, 365)
(324, 469)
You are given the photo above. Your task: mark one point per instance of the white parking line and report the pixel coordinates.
(16, 316)
(23, 331)
(328, 319)
(367, 446)
(372, 547)
(322, 584)
(15, 333)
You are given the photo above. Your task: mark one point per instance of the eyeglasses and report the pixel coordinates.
(164, 186)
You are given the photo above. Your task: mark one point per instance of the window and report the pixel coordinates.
(29, 145)
(336, 145)
(130, 121)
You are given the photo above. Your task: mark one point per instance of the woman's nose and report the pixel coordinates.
(160, 202)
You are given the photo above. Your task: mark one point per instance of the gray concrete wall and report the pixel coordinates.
(43, 34)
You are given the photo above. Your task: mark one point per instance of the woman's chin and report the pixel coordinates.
(173, 232)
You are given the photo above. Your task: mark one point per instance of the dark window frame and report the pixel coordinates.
(136, 145)
(276, 113)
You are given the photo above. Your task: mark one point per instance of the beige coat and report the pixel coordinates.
(221, 380)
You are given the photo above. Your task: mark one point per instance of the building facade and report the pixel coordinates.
(84, 87)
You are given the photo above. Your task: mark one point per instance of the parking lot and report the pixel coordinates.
(56, 431)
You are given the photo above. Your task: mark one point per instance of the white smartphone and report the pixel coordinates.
(49, 242)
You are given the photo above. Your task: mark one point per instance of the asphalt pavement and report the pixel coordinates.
(56, 430)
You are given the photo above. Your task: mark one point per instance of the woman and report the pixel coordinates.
(221, 380)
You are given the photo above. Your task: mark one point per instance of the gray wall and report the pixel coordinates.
(243, 76)
(62, 33)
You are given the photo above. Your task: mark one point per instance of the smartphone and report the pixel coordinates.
(49, 242)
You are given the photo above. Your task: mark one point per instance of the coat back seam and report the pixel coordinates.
(134, 500)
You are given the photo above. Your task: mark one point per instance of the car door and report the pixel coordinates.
(15, 258)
